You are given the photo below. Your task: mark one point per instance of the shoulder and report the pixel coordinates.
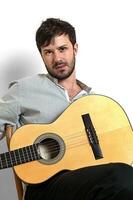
(29, 80)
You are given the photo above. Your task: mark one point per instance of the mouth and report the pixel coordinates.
(60, 66)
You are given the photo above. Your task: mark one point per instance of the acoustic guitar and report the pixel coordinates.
(93, 130)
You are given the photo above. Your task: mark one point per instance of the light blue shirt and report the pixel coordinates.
(35, 99)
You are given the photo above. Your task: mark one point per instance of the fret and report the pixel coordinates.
(19, 156)
(15, 156)
(26, 154)
(5, 161)
(30, 152)
(1, 166)
(10, 157)
(22, 155)
(5, 156)
(35, 150)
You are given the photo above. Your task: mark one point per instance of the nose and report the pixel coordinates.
(57, 56)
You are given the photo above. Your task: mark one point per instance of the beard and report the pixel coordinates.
(62, 74)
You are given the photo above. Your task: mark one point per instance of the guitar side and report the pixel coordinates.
(112, 126)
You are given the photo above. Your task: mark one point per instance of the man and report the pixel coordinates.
(41, 99)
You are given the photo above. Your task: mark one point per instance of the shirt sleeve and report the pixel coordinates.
(9, 108)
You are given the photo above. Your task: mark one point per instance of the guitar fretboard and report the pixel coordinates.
(19, 156)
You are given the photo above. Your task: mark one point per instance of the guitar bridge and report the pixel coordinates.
(92, 136)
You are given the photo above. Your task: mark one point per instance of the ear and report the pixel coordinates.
(75, 48)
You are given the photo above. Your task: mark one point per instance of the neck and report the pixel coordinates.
(70, 84)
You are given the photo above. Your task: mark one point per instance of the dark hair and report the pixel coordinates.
(54, 27)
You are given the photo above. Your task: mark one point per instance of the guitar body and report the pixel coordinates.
(112, 127)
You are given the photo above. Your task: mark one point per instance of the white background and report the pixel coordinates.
(105, 58)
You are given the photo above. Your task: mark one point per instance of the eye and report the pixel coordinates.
(62, 49)
(48, 52)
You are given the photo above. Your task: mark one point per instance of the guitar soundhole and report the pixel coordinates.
(51, 148)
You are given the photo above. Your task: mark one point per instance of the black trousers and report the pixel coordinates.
(112, 181)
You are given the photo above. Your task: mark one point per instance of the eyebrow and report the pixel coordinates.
(46, 49)
(49, 49)
(64, 45)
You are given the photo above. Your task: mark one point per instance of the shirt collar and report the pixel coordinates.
(82, 85)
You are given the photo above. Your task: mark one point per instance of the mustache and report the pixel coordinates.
(56, 64)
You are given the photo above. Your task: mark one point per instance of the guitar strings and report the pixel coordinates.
(56, 148)
(54, 143)
(72, 142)
(53, 148)
(9, 161)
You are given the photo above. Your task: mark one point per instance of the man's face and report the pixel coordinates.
(59, 57)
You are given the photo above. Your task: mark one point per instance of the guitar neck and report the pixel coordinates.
(19, 156)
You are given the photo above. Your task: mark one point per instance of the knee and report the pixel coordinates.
(122, 172)
(122, 177)
(122, 167)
